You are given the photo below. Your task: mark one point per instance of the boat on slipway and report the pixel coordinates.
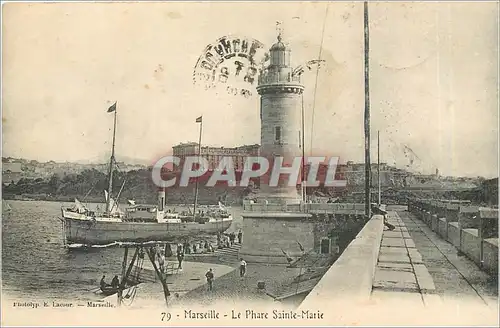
(138, 223)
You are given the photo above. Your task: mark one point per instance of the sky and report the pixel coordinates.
(433, 80)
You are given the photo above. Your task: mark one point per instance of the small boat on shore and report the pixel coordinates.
(108, 290)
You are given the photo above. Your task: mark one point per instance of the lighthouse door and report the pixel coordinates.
(325, 246)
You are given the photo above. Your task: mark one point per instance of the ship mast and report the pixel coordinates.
(111, 160)
(198, 120)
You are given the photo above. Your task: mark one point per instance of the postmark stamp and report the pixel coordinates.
(230, 65)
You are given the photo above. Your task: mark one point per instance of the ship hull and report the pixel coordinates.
(90, 232)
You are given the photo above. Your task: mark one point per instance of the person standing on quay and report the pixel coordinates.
(240, 236)
(180, 256)
(161, 261)
(210, 279)
(243, 267)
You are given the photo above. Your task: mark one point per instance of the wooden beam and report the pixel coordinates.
(124, 263)
(166, 292)
(125, 277)
(367, 113)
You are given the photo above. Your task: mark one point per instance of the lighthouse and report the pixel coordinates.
(276, 223)
(280, 115)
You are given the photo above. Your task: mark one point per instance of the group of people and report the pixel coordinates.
(115, 282)
(228, 240)
(199, 247)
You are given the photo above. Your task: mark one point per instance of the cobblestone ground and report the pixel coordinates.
(230, 287)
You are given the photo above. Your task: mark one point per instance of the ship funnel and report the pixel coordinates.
(161, 199)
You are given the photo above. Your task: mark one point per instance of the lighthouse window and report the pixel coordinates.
(277, 133)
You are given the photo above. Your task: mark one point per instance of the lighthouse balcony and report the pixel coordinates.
(284, 87)
(277, 77)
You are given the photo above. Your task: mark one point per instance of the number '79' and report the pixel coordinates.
(166, 316)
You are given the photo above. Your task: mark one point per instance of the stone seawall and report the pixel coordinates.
(350, 278)
(472, 230)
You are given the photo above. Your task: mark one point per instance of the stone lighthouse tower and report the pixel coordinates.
(280, 115)
(276, 223)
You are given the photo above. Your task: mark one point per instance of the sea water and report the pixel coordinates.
(36, 265)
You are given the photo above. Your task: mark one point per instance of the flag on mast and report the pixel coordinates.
(112, 108)
(198, 120)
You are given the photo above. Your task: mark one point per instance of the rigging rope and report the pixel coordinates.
(317, 73)
(131, 293)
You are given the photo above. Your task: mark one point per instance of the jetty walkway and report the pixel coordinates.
(411, 275)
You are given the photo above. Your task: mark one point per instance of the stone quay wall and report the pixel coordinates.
(274, 229)
(349, 280)
(471, 229)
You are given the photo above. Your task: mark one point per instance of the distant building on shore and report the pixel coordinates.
(489, 190)
(214, 154)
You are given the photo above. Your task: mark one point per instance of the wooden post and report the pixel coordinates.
(125, 277)
(124, 267)
(124, 264)
(367, 114)
(378, 170)
(166, 292)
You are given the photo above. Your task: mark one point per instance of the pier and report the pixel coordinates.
(440, 259)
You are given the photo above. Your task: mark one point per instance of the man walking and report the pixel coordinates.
(243, 267)
(210, 279)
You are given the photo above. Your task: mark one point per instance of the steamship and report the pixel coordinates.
(138, 223)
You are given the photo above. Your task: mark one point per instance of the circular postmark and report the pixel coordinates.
(231, 65)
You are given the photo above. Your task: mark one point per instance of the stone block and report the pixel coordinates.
(392, 234)
(490, 255)
(443, 228)
(406, 234)
(470, 245)
(409, 243)
(428, 218)
(452, 212)
(489, 223)
(393, 242)
(395, 280)
(395, 266)
(424, 278)
(394, 258)
(393, 250)
(434, 223)
(415, 256)
(454, 233)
